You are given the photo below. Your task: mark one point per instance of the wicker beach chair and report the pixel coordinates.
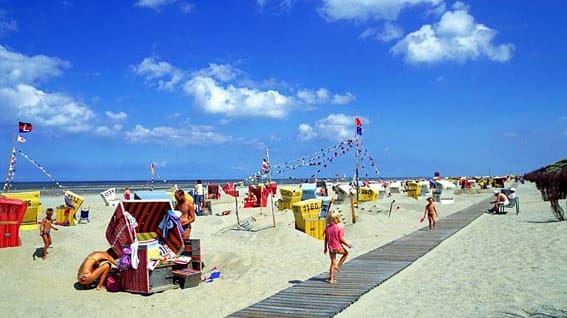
(120, 233)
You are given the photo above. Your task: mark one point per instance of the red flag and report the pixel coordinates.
(25, 127)
(153, 169)
(358, 124)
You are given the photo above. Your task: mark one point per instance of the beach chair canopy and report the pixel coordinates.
(152, 195)
(12, 210)
(148, 215)
(213, 191)
(11, 216)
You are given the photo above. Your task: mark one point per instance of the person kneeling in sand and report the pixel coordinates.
(96, 266)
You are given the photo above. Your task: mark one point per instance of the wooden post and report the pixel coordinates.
(270, 184)
(272, 203)
(236, 201)
(391, 204)
(352, 208)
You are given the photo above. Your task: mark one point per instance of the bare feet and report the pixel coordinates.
(332, 281)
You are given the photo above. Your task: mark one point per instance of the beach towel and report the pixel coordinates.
(134, 256)
(169, 221)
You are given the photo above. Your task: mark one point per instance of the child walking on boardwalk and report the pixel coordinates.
(335, 242)
(45, 231)
(431, 213)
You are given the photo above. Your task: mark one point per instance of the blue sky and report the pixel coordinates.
(201, 88)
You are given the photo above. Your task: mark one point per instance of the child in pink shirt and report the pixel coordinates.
(335, 242)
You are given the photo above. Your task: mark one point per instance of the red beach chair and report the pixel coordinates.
(11, 215)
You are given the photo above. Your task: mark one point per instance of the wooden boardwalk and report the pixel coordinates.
(315, 297)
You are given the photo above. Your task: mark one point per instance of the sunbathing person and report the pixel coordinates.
(96, 266)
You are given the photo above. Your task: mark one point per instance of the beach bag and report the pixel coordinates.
(113, 282)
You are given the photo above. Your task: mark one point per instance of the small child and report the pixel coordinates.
(335, 242)
(431, 213)
(45, 231)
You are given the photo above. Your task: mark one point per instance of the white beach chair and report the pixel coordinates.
(109, 197)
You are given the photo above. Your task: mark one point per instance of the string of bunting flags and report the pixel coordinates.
(11, 170)
(40, 167)
(319, 159)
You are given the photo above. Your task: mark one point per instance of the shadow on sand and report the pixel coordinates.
(37, 253)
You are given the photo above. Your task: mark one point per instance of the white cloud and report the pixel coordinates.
(48, 109)
(180, 136)
(103, 131)
(7, 25)
(154, 4)
(456, 37)
(107, 131)
(334, 127)
(116, 116)
(277, 6)
(237, 101)
(186, 7)
(224, 89)
(322, 96)
(389, 32)
(16, 68)
(305, 133)
(363, 10)
(343, 99)
(164, 75)
(220, 72)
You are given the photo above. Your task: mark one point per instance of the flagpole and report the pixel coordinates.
(357, 162)
(10, 174)
(269, 185)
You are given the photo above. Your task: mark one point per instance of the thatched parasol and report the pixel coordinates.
(551, 181)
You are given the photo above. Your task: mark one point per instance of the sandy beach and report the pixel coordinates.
(508, 265)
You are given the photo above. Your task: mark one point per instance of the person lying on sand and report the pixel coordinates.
(96, 266)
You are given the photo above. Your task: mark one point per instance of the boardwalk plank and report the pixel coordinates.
(315, 297)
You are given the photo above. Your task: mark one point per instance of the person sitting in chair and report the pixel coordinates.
(252, 197)
(96, 266)
(501, 199)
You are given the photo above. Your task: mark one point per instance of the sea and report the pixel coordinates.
(90, 187)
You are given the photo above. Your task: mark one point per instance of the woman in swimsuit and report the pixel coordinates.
(95, 266)
(45, 231)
